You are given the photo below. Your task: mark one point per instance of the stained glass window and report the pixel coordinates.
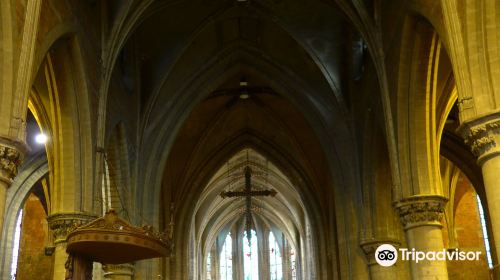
(275, 260)
(250, 257)
(226, 259)
(15, 249)
(293, 264)
(485, 232)
(209, 267)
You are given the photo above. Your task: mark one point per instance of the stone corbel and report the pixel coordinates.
(11, 156)
(421, 210)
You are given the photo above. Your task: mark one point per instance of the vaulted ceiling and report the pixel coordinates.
(187, 58)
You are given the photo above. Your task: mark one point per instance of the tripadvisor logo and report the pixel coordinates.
(387, 255)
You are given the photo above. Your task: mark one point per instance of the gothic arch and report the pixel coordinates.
(195, 92)
(60, 97)
(423, 104)
(31, 173)
(208, 168)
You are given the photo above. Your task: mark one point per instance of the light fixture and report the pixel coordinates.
(41, 138)
(243, 91)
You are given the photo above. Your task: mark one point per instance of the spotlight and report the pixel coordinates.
(41, 138)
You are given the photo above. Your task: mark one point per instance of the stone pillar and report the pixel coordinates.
(287, 266)
(378, 272)
(264, 255)
(118, 271)
(483, 136)
(61, 224)
(11, 154)
(421, 217)
(237, 247)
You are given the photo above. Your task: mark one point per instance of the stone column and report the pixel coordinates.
(237, 246)
(264, 256)
(118, 271)
(378, 272)
(483, 136)
(11, 154)
(61, 224)
(287, 266)
(421, 217)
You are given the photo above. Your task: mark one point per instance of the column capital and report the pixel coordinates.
(369, 247)
(421, 210)
(482, 134)
(11, 155)
(110, 270)
(63, 223)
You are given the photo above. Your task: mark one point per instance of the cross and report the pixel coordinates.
(248, 193)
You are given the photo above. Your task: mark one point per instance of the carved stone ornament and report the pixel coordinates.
(125, 269)
(110, 240)
(62, 224)
(370, 246)
(481, 133)
(421, 210)
(10, 159)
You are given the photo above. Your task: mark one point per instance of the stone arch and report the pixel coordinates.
(196, 91)
(60, 96)
(312, 266)
(31, 173)
(424, 102)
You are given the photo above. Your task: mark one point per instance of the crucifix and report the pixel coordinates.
(248, 193)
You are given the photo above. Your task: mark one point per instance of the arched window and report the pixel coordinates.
(209, 267)
(250, 257)
(15, 249)
(226, 259)
(485, 232)
(293, 264)
(275, 260)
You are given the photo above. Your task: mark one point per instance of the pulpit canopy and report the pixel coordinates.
(112, 240)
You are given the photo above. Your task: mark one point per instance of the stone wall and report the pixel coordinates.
(469, 234)
(32, 262)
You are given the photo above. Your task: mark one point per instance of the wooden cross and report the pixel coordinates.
(248, 193)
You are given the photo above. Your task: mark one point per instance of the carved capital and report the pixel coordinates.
(370, 246)
(62, 224)
(482, 135)
(11, 156)
(422, 210)
(112, 270)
